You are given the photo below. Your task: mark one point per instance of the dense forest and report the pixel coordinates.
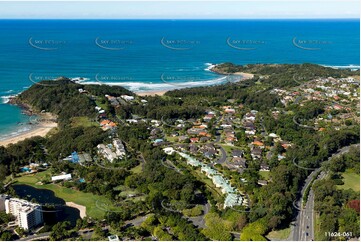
(62, 98)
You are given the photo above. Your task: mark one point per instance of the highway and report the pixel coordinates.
(303, 229)
(304, 225)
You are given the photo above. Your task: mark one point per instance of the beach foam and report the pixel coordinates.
(209, 66)
(142, 86)
(343, 67)
(6, 99)
(15, 133)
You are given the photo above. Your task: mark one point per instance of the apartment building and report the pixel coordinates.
(27, 214)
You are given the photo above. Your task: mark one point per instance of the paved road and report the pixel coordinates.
(304, 225)
(218, 138)
(42, 236)
(200, 221)
(137, 221)
(223, 158)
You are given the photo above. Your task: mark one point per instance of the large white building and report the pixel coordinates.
(27, 214)
(64, 177)
(112, 151)
(119, 148)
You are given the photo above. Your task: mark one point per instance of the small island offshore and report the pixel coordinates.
(266, 157)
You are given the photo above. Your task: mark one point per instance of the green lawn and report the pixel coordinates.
(67, 194)
(102, 105)
(171, 139)
(83, 121)
(279, 234)
(137, 169)
(351, 180)
(228, 148)
(264, 174)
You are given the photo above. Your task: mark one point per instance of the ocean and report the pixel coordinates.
(147, 55)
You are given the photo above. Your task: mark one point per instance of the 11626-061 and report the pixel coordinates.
(338, 234)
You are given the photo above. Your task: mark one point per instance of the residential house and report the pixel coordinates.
(264, 167)
(237, 153)
(262, 182)
(256, 153)
(194, 140)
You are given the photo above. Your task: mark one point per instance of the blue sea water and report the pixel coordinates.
(144, 55)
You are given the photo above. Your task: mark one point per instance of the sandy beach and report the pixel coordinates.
(40, 129)
(81, 208)
(244, 75)
(152, 93)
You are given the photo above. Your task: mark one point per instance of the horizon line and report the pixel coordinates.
(326, 18)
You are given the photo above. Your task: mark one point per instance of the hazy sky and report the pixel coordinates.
(180, 9)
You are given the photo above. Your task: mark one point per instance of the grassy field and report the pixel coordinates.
(279, 234)
(82, 121)
(229, 148)
(137, 169)
(351, 180)
(171, 139)
(67, 194)
(264, 174)
(102, 105)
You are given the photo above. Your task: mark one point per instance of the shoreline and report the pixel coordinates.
(81, 208)
(244, 76)
(41, 128)
(36, 131)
